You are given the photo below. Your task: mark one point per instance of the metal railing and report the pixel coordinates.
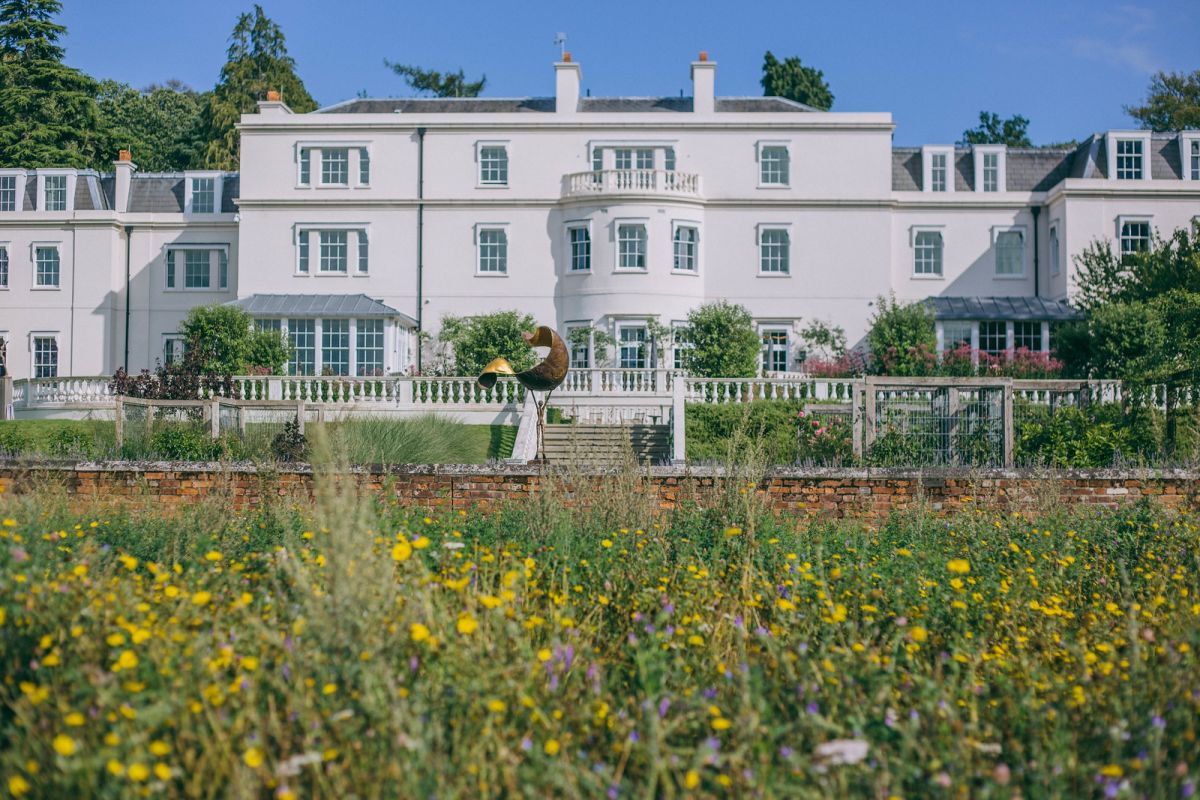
(631, 181)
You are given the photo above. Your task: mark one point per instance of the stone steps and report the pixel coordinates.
(607, 444)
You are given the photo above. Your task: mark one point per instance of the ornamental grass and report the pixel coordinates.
(355, 648)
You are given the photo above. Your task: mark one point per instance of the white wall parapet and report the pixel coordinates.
(652, 182)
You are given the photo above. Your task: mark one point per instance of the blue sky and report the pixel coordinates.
(1069, 67)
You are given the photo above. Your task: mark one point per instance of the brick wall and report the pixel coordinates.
(811, 492)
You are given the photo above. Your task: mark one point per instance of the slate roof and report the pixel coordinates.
(1027, 169)
(317, 305)
(162, 193)
(1001, 308)
(513, 105)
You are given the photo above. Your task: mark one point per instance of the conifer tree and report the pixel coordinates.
(257, 63)
(791, 79)
(48, 114)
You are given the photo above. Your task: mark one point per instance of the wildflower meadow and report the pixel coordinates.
(592, 648)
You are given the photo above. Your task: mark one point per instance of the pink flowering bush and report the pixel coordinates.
(823, 440)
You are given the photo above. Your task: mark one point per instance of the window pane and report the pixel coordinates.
(369, 347)
(773, 255)
(203, 195)
(4, 267)
(56, 192)
(364, 254)
(493, 165)
(1054, 256)
(775, 351)
(1129, 159)
(633, 347)
(303, 339)
(631, 246)
(1027, 335)
(364, 166)
(1135, 238)
(1009, 253)
(305, 166)
(1195, 160)
(623, 158)
(47, 266)
(581, 249)
(335, 165)
(991, 172)
(956, 335)
(937, 173)
(580, 348)
(493, 251)
(196, 269)
(45, 357)
(645, 159)
(685, 248)
(302, 265)
(222, 269)
(268, 324)
(681, 344)
(773, 165)
(335, 347)
(927, 253)
(669, 159)
(8, 192)
(993, 337)
(334, 253)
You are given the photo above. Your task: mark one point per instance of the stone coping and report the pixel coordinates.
(666, 471)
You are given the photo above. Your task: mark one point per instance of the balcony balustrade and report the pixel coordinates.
(648, 182)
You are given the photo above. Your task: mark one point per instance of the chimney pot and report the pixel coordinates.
(273, 96)
(566, 58)
(704, 55)
(124, 155)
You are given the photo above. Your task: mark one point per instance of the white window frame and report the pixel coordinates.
(214, 250)
(996, 231)
(927, 154)
(1187, 141)
(644, 224)
(1111, 152)
(19, 177)
(678, 346)
(1054, 245)
(358, 159)
(979, 153)
(759, 147)
(218, 186)
(320, 270)
(1126, 219)
(316, 156)
(310, 233)
(321, 182)
(697, 250)
(356, 364)
(584, 225)
(33, 284)
(761, 228)
(56, 336)
(176, 342)
(6, 283)
(70, 176)
(479, 148)
(591, 342)
(647, 355)
(913, 232)
(479, 229)
(765, 350)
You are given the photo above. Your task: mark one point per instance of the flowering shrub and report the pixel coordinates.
(360, 649)
(1020, 363)
(847, 365)
(824, 440)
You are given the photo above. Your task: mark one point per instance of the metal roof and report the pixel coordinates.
(317, 305)
(1001, 308)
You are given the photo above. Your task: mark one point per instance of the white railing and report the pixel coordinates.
(56, 392)
(631, 181)
(744, 390)
(589, 382)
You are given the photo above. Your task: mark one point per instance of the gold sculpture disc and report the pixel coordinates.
(543, 376)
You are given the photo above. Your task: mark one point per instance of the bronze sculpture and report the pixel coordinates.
(544, 376)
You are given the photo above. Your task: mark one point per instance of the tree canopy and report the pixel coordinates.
(791, 79)
(161, 124)
(48, 112)
(1172, 102)
(227, 343)
(432, 82)
(258, 62)
(994, 130)
(720, 341)
(478, 340)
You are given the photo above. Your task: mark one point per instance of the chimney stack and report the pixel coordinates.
(704, 78)
(123, 168)
(273, 104)
(567, 75)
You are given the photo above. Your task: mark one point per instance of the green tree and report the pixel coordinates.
(1172, 103)
(228, 343)
(258, 62)
(477, 340)
(902, 339)
(994, 130)
(791, 79)
(721, 341)
(160, 124)
(48, 114)
(428, 81)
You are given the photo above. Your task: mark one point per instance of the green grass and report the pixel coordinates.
(378, 440)
(576, 645)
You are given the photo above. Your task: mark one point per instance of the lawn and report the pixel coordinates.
(374, 440)
(591, 648)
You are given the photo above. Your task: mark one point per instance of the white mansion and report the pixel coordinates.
(356, 226)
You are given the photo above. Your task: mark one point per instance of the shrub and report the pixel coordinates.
(228, 343)
(1092, 437)
(722, 341)
(823, 441)
(182, 442)
(711, 427)
(902, 339)
(70, 442)
(477, 340)
(290, 444)
(13, 440)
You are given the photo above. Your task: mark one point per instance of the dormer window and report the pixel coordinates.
(10, 193)
(54, 193)
(1129, 159)
(1194, 160)
(938, 169)
(989, 167)
(203, 195)
(1189, 151)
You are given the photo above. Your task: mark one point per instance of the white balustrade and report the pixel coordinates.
(632, 181)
